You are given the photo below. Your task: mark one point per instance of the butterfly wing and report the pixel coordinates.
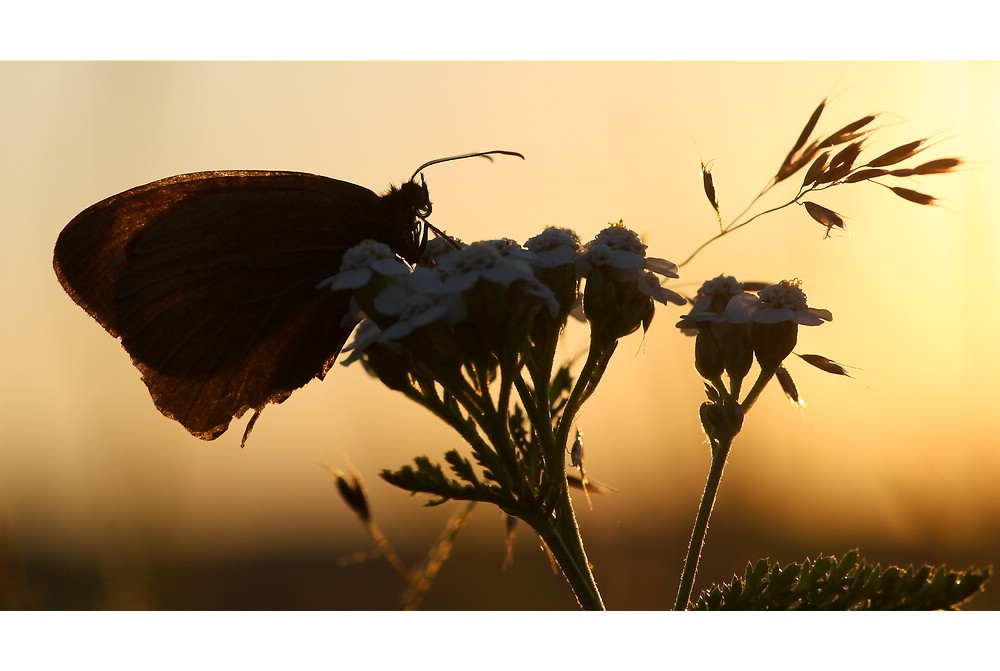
(209, 279)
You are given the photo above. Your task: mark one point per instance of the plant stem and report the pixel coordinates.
(719, 456)
(733, 227)
(561, 534)
(758, 386)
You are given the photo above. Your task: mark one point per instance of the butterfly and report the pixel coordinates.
(210, 280)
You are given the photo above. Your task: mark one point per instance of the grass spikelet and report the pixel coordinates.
(800, 154)
(824, 364)
(808, 128)
(935, 167)
(816, 169)
(841, 164)
(788, 386)
(353, 493)
(709, 184)
(913, 196)
(865, 174)
(848, 133)
(900, 153)
(825, 216)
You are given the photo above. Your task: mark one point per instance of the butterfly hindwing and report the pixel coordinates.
(209, 279)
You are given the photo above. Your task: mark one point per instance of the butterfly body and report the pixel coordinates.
(209, 280)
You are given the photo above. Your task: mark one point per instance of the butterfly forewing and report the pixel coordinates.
(209, 279)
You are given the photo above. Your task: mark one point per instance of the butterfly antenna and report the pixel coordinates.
(488, 155)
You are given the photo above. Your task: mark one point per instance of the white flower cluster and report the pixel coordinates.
(619, 250)
(405, 299)
(722, 300)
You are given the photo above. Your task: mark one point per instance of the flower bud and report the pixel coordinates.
(772, 343)
(721, 421)
(708, 358)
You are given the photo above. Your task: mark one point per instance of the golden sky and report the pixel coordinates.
(908, 449)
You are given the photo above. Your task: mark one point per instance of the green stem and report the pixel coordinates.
(561, 534)
(719, 456)
(590, 375)
(758, 386)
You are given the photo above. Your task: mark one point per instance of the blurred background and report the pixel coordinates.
(104, 503)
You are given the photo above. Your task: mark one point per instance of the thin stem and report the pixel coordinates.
(597, 362)
(420, 581)
(758, 386)
(732, 228)
(746, 209)
(719, 455)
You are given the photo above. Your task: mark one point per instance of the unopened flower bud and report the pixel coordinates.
(708, 359)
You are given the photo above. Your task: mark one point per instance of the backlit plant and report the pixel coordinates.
(471, 333)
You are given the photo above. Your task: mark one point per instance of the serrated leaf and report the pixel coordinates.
(847, 583)
(461, 467)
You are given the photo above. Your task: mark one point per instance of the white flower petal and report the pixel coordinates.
(650, 286)
(742, 308)
(661, 266)
(347, 279)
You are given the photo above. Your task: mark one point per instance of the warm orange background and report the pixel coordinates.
(99, 490)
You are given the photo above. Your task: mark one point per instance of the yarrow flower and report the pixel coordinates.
(733, 325)
(776, 316)
(411, 312)
(621, 284)
(481, 260)
(722, 300)
(437, 247)
(786, 301)
(484, 261)
(615, 248)
(710, 303)
(361, 262)
(554, 247)
(555, 251)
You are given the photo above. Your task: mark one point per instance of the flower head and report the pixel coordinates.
(412, 312)
(786, 301)
(710, 303)
(437, 247)
(615, 249)
(620, 283)
(361, 262)
(554, 247)
(780, 310)
(481, 260)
